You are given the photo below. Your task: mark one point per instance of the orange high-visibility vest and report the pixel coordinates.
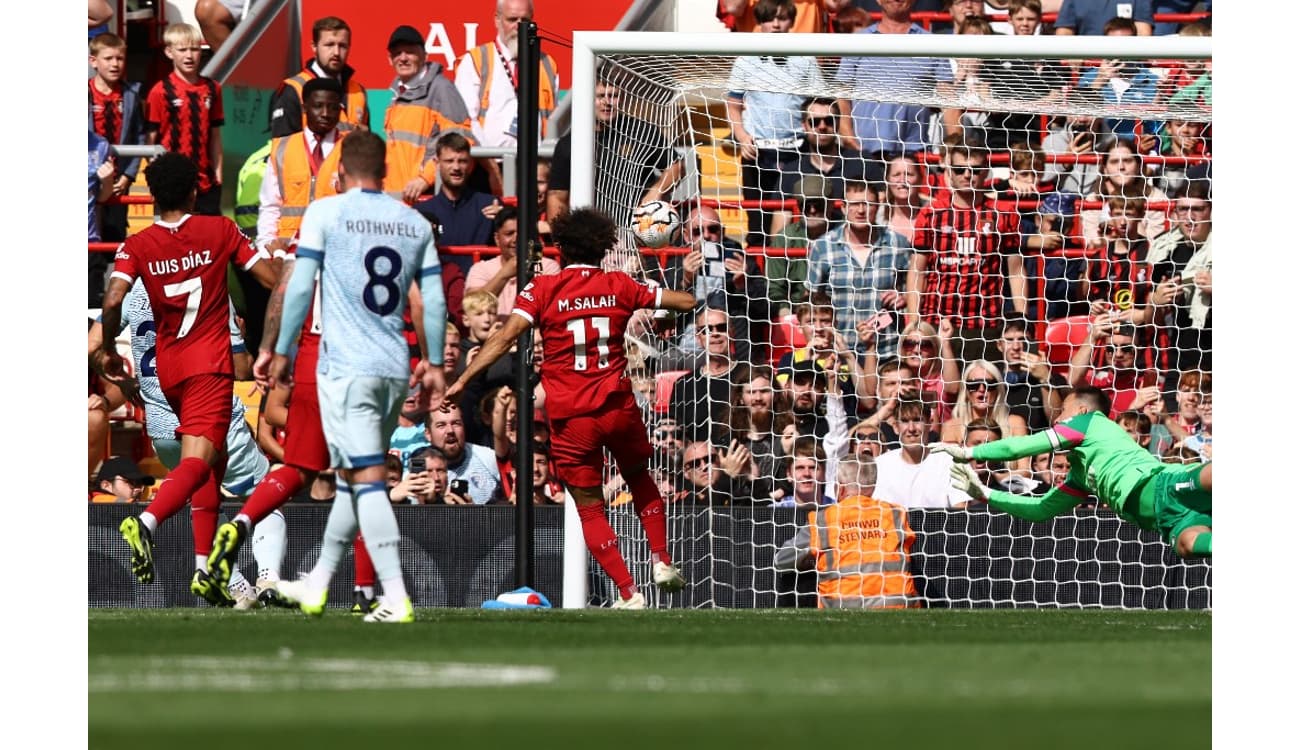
(862, 546)
(429, 107)
(298, 186)
(354, 101)
(485, 67)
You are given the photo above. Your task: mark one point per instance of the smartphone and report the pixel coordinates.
(419, 464)
(881, 320)
(459, 487)
(1163, 271)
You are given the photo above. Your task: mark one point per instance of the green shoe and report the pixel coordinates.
(310, 602)
(225, 551)
(361, 605)
(206, 586)
(140, 541)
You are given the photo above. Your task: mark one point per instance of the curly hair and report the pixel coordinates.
(172, 178)
(584, 235)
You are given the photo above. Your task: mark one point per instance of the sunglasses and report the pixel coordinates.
(967, 169)
(827, 120)
(698, 463)
(1123, 348)
(710, 229)
(714, 328)
(911, 345)
(982, 384)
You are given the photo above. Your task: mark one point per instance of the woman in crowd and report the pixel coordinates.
(983, 396)
(1122, 176)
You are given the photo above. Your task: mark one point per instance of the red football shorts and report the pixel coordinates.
(304, 439)
(202, 404)
(577, 442)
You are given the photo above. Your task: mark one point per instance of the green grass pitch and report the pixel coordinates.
(1097, 679)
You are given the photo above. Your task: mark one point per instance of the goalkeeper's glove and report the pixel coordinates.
(958, 452)
(965, 479)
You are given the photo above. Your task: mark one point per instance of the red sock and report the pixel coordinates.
(603, 546)
(203, 515)
(364, 569)
(274, 490)
(181, 483)
(650, 507)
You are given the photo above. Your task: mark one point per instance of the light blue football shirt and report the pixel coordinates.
(368, 247)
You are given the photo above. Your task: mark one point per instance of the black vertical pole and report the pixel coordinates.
(526, 191)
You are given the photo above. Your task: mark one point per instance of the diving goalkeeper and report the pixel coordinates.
(1172, 499)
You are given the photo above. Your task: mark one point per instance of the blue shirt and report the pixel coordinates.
(461, 222)
(96, 155)
(1143, 86)
(856, 288)
(761, 82)
(885, 126)
(1089, 17)
(368, 247)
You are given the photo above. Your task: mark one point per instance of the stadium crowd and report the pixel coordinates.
(939, 257)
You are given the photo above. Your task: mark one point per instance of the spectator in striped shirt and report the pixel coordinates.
(863, 268)
(966, 251)
(183, 113)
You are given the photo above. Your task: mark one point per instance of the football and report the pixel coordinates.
(654, 223)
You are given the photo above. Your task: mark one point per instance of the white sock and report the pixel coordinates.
(340, 530)
(379, 527)
(248, 522)
(366, 591)
(149, 521)
(268, 546)
(240, 585)
(201, 563)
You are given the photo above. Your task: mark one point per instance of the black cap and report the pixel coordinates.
(121, 466)
(404, 35)
(805, 367)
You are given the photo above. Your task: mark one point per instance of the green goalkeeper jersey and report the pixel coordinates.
(1104, 461)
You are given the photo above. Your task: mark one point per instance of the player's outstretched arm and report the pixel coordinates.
(499, 343)
(1057, 501)
(672, 299)
(297, 299)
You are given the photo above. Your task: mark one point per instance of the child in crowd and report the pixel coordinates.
(183, 113)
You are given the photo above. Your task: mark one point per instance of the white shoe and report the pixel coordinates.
(309, 601)
(268, 593)
(636, 602)
(244, 601)
(668, 578)
(402, 612)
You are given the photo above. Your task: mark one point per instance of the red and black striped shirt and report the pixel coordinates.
(106, 112)
(184, 115)
(1122, 280)
(964, 276)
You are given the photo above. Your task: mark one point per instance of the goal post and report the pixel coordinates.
(675, 87)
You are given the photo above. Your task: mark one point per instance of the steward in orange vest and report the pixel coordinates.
(331, 42)
(495, 111)
(302, 166)
(859, 546)
(425, 105)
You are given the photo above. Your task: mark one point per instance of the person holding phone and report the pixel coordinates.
(1120, 374)
(474, 465)
(719, 273)
(863, 267)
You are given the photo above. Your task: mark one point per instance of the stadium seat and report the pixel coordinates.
(1061, 337)
(664, 388)
(786, 337)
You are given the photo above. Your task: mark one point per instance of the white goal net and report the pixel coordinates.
(897, 240)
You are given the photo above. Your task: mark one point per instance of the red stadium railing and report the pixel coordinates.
(926, 19)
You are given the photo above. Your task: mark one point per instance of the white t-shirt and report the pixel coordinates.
(923, 485)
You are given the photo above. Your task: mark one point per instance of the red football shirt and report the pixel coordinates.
(184, 115)
(106, 111)
(967, 247)
(183, 267)
(582, 312)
